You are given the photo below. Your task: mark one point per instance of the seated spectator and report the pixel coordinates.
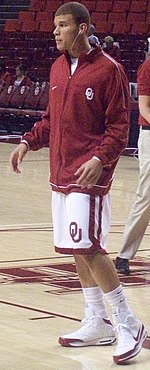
(21, 78)
(5, 77)
(93, 40)
(111, 48)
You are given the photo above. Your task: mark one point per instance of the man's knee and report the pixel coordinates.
(87, 258)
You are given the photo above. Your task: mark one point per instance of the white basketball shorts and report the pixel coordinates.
(77, 222)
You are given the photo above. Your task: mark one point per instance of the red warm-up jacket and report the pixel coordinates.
(88, 115)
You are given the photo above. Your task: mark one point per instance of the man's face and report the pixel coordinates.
(65, 31)
(109, 44)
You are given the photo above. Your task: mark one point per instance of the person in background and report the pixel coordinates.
(5, 76)
(86, 128)
(139, 216)
(111, 48)
(93, 40)
(21, 78)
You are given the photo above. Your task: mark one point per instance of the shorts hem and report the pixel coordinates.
(86, 251)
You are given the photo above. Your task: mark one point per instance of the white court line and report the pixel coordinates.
(26, 226)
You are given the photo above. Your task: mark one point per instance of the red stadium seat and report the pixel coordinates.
(121, 27)
(135, 17)
(44, 16)
(43, 102)
(46, 26)
(104, 27)
(32, 97)
(30, 26)
(103, 6)
(117, 16)
(18, 97)
(90, 5)
(26, 16)
(121, 5)
(148, 7)
(12, 25)
(37, 5)
(98, 17)
(5, 96)
(138, 5)
(53, 5)
(148, 18)
(139, 28)
(1, 86)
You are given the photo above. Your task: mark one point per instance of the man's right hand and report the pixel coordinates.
(17, 156)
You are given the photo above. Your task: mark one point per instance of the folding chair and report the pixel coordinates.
(5, 95)
(18, 97)
(32, 98)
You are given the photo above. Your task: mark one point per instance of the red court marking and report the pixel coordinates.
(39, 311)
(146, 343)
(62, 278)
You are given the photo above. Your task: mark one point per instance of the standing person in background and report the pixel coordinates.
(111, 48)
(93, 40)
(86, 128)
(139, 216)
(21, 78)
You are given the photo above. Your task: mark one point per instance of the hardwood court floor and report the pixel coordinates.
(40, 293)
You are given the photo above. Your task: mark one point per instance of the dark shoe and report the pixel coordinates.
(122, 266)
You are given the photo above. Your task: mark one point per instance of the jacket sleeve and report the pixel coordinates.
(38, 137)
(116, 102)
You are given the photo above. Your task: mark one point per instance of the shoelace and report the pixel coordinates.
(88, 321)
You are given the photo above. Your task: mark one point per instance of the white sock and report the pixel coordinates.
(118, 301)
(94, 299)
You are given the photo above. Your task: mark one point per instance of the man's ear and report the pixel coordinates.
(83, 28)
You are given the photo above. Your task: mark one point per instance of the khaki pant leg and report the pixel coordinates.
(139, 216)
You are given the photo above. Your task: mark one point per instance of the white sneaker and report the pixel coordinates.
(95, 331)
(131, 335)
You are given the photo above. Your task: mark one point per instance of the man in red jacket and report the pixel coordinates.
(86, 127)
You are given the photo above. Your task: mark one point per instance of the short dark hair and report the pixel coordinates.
(22, 67)
(78, 11)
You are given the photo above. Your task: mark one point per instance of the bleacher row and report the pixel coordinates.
(29, 39)
(24, 97)
(20, 107)
(38, 52)
(125, 16)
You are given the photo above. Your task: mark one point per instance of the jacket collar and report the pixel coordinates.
(86, 57)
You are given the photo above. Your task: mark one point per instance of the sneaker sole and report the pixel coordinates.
(122, 359)
(68, 342)
(123, 272)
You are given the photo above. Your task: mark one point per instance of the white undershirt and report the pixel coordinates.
(74, 63)
(18, 82)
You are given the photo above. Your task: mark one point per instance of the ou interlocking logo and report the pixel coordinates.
(89, 93)
(75, 232)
